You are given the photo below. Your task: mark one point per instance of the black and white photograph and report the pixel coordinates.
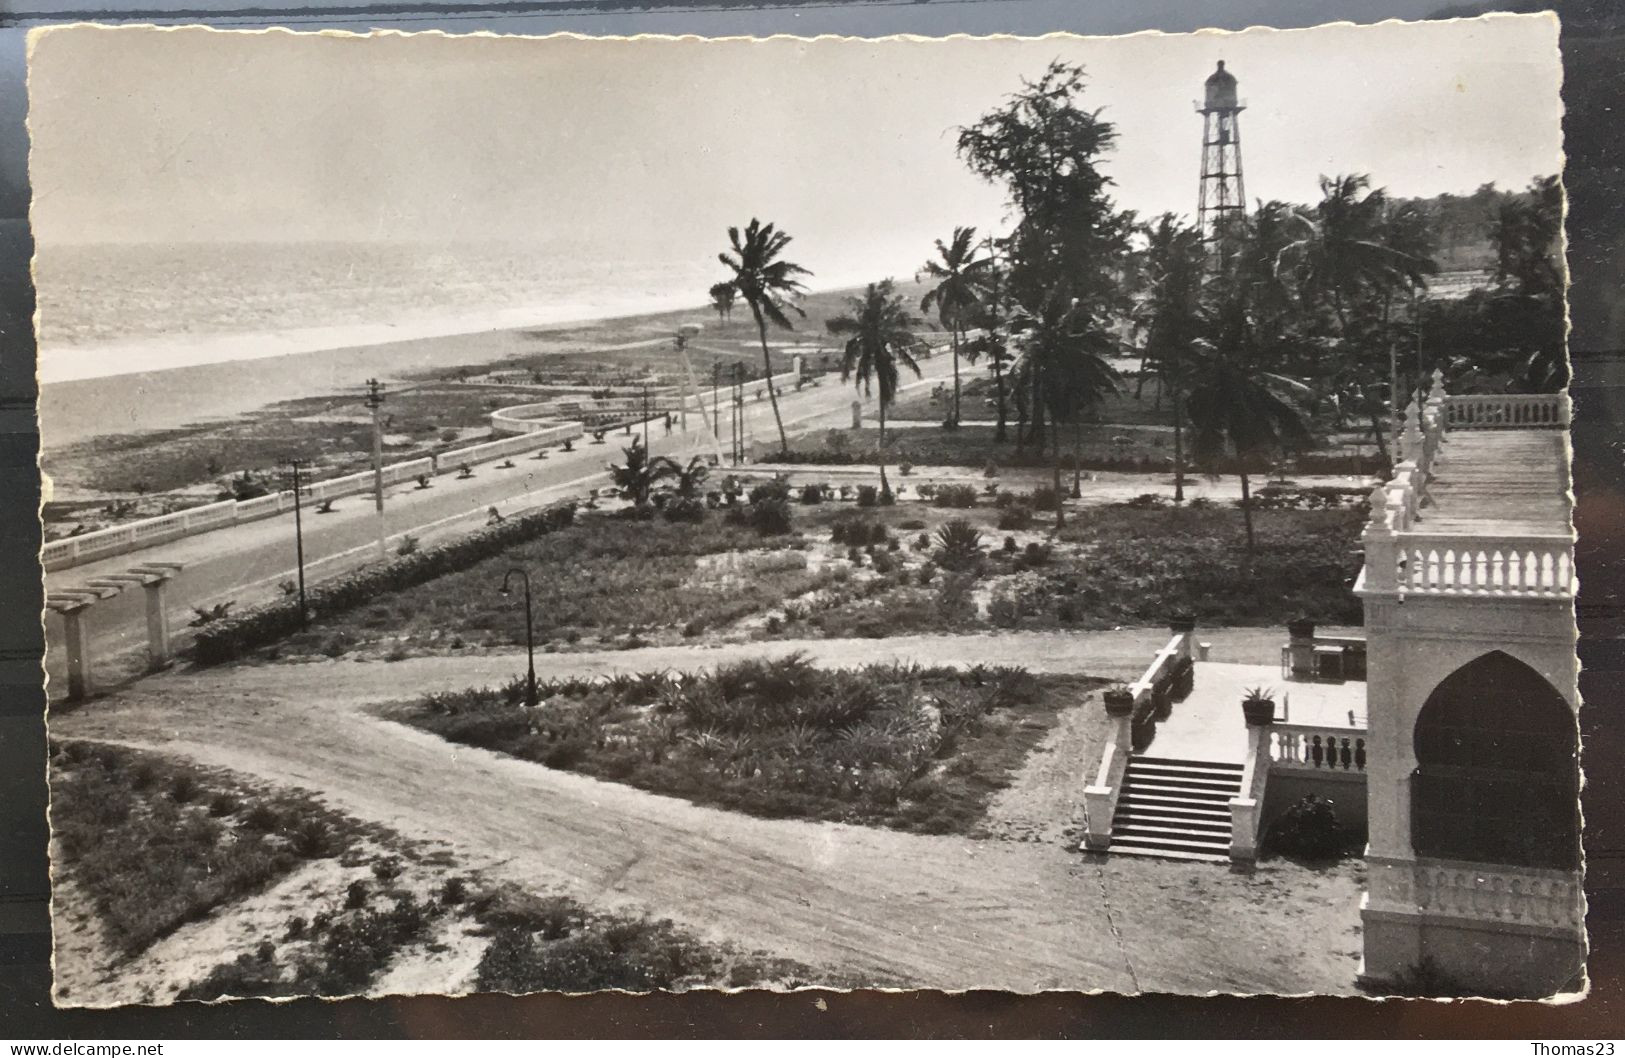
(565, 514)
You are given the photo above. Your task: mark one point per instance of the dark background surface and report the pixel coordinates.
(1594, 60)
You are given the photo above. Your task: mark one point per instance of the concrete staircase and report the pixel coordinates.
(1179, 809)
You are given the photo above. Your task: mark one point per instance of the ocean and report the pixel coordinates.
(108, 309)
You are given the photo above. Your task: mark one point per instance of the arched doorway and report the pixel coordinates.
(1497, 775)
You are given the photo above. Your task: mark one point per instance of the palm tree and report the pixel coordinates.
(1347, 260)
(880, 338)
(961, 283)
(769, 285)
(1170, 310)
(1237, 408)
(1064, 356)
(691, 478)
(639, 475)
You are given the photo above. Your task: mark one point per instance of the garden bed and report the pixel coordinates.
(606, 580)
(920, 749)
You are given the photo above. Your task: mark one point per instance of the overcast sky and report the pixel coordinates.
(659, 144)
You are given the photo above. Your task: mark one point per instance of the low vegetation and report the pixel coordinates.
(611, 579)
(902, 746)
(155, 844)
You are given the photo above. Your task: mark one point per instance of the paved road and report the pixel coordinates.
(245, 563)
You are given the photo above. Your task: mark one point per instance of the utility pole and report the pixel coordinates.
(739, 412)
(716, 407)
(299, 543)
(645, 416)
(375, 400)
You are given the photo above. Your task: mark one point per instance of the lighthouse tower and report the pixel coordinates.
(1222, 198)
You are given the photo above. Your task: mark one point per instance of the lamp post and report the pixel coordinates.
(530, 638)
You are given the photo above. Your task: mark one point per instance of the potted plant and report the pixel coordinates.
(1301, 628)
(1182, 622)
(1258, 706)
(1118, 699)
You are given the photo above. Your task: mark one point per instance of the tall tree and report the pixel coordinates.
(771, 287)
(723, 296)
(1237, 406)
(880, 339)
(1044, 148)
(961, 283)
(1348, 266)
(1067, 352)
(1169, 312)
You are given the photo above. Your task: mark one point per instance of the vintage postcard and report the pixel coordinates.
(657, 514)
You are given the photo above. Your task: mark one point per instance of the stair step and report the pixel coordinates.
(1183, 782)
(1159, 841)
(1175, 762)
(1145, 817)
(1217, 809)
(1169, 854)
(1135, 828)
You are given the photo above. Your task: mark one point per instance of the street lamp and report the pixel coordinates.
(530, 637)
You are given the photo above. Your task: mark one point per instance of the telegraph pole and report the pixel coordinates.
(375, 400)
(645, 416)
(299, 543)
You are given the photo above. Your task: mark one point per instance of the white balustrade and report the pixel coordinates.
(1509, 565)
(1307, 747)
(1499, 893)
(1499, 411)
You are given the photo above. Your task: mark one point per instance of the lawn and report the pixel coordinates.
(914, 748)
(606, 580)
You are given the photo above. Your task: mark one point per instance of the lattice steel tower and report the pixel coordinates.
(1222, 199)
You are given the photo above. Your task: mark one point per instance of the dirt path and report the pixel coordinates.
(945, 912)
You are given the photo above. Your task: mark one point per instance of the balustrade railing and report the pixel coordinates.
(1496, 892)
(1500, 411)
(1439, 564)
(1306, 747)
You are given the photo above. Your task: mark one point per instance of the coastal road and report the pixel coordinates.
(245, 563)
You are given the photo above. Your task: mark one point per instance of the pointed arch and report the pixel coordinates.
(1497, 775)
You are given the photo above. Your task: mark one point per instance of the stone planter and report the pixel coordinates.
(1258, 711)
(1119, 701)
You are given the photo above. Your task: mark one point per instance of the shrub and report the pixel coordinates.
(407, 546)
(959, 546)
(777, 490)
(1009, 545)
(958, 496)
(1044, 498)
(231, 636)
(812, 494)
(183, 788)
(868, 495)
(770, 516)
(1307, 830)
(454, 891)
(355, 895)
(684, 509)
(1017, 516)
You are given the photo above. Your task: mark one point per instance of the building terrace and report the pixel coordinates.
(1447, 733)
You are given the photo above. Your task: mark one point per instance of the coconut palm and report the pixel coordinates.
(770, 286)
(961, 283)
(1170, 313)
(1236, 408)
(880, 339)
(1063, 355)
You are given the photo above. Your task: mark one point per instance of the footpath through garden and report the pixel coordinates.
(900, 908)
